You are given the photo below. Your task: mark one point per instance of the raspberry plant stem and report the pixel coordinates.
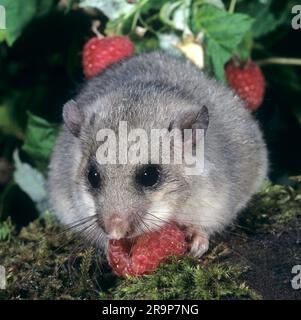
(279, 60)
(232, 6)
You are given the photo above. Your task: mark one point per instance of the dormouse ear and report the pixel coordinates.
(73, 117)
(192, 120)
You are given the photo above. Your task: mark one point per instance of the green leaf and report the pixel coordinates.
(266, 20)
(216, 3)
(145, 44)
(223, 33)
(244, 49)
(219, 56)
(112, 9)
(6, 230)
(226, 28)
(18, 16)
(176, 15)
(40, 137)
(168, 10)
(31, 181)
(44, 6)
(8, 123)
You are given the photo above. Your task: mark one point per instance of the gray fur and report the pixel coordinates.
(152, 91)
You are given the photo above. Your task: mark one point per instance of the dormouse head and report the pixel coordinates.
(136, 191)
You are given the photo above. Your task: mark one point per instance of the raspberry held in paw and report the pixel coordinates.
(144, 254)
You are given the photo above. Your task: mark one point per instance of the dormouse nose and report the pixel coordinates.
(116, 226)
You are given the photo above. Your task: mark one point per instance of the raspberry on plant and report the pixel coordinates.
(248, 82)
(101, 52)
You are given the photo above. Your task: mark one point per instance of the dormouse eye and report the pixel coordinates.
(94, 178)
(149, 176)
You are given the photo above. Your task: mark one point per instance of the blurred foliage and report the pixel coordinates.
(40, 69)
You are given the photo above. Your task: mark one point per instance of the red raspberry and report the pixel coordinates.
(248, 82)
(144, 254)
(99, 53)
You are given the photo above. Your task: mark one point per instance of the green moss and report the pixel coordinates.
(41, 263)
(45, 262)
(186, 279)
(273, 206)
